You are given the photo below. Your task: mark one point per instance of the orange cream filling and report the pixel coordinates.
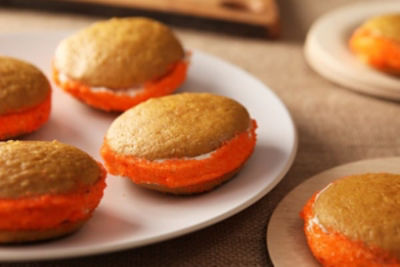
(48, 211)
(25, 121)
(334, 249)
(175, 173)
(108, 100)
(380, 52)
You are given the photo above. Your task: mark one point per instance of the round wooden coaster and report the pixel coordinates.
(286, 242)
(327, 51)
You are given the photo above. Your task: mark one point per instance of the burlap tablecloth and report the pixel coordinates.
(335, 126)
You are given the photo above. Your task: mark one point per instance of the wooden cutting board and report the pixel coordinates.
(262, 13)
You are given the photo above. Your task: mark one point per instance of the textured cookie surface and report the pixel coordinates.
(31, 168)
(364, 208)
(41, 234)
(119, 53)
(176, 126)
(22, 85)
(387, 26)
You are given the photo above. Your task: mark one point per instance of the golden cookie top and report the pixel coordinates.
(22, 85)
(364, 207)
(387, 26)
(176, 126)
(119, 53)
(31, 168)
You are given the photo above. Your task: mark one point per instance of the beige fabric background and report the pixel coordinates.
(335, 126)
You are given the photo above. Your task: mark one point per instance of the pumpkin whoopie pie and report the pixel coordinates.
(25, 98)
(377, 43)
(118, 63)
(182, 144)
(47, 189)
(355, 221)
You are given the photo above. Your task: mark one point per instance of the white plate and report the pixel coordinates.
(129, 216)
(286, 241)
(326, 50)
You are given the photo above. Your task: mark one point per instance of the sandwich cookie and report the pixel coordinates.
(377, 43)
(25, 98)
(182, 144)
(118, 63)
(355, 220)
(47, 189)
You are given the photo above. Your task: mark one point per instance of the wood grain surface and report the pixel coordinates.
(256, 12)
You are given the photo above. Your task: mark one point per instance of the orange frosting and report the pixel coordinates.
(48, 211)
(25, 121)
(174, 173)
(331, 248)
(108, 100)
(380, 52)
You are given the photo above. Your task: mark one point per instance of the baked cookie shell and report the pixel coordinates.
(363, 208)
(177, 126)
(387, 26)
(33, 168)
(119, 53)
(22, 85)
(19, 236)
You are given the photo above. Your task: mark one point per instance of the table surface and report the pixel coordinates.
(335, 126)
